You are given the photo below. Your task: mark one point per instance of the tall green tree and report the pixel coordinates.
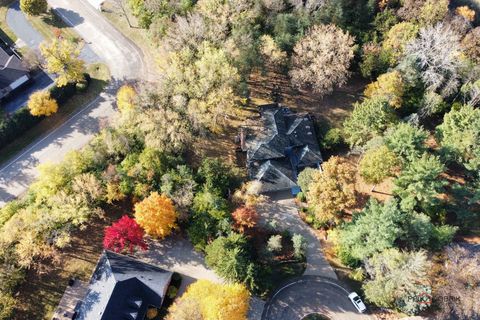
(419, 185)
(399, 280)
(459, 136)
(229, 257)
(372, 231)
(368, 119)
(406, 141)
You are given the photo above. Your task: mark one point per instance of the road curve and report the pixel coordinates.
(305, 295)
(124, 59)
(125, 62)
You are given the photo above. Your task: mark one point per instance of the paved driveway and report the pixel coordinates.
(177, 254)
(32, 38)
(284, 211)
(318, 290)
(311, 294)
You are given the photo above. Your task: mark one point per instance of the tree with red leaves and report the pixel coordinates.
(245, 217)
(123, 235)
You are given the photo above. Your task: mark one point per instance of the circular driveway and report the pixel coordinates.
(311, 294)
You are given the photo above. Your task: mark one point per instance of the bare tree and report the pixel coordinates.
(322, 58)
(121, 4)
(437, 53)
(188, 32)
(308, 5)
(458, 294)
(274, 5)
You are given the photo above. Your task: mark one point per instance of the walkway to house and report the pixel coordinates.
(318, 290)
(282, 209)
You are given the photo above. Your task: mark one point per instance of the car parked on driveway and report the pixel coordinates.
(357, 302)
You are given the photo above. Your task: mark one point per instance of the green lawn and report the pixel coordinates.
(100, 76)
(50, 23)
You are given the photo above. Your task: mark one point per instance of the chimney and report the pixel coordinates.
(242, 140)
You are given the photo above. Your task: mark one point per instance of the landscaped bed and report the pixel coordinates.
(275, 253)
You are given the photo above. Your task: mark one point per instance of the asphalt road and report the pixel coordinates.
(311, 294)
(125, 61)
(23, 29)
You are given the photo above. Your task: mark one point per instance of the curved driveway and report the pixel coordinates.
(318, 290)
(311, 294)
(125, 61)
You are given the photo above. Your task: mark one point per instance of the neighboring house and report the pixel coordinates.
(13, 74)
(122, 287)
(284, 144)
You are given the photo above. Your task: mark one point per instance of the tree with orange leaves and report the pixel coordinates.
(332, 189)
(245, 218)
(156, 215)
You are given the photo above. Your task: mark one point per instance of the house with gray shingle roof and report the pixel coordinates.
(122, 287)
(280, 147)
(13, 73)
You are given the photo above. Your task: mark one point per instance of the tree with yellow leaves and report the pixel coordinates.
(126, 98)
(62, 58)
(332, 190)
(33, 7)
(156, 214)
(389, 85)
(466, 12)
(378, 164)
(211, 301)
(397, 39)
(41, 104)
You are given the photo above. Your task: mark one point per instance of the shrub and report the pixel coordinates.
(229, 257)
(81, 86)
(274, 243)
(124, 235)
(305, 178)
(245, 218)
(40, 103)
(299, 246)
(301, 196)
(332, 139)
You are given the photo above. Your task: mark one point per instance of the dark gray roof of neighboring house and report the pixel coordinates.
(280, 147)
(122, 287)
(11, 69)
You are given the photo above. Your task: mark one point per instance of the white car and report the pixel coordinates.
(357, 302)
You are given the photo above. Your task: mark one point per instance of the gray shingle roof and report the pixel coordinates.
(11, 69)
(122, 287)
(283, 145)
